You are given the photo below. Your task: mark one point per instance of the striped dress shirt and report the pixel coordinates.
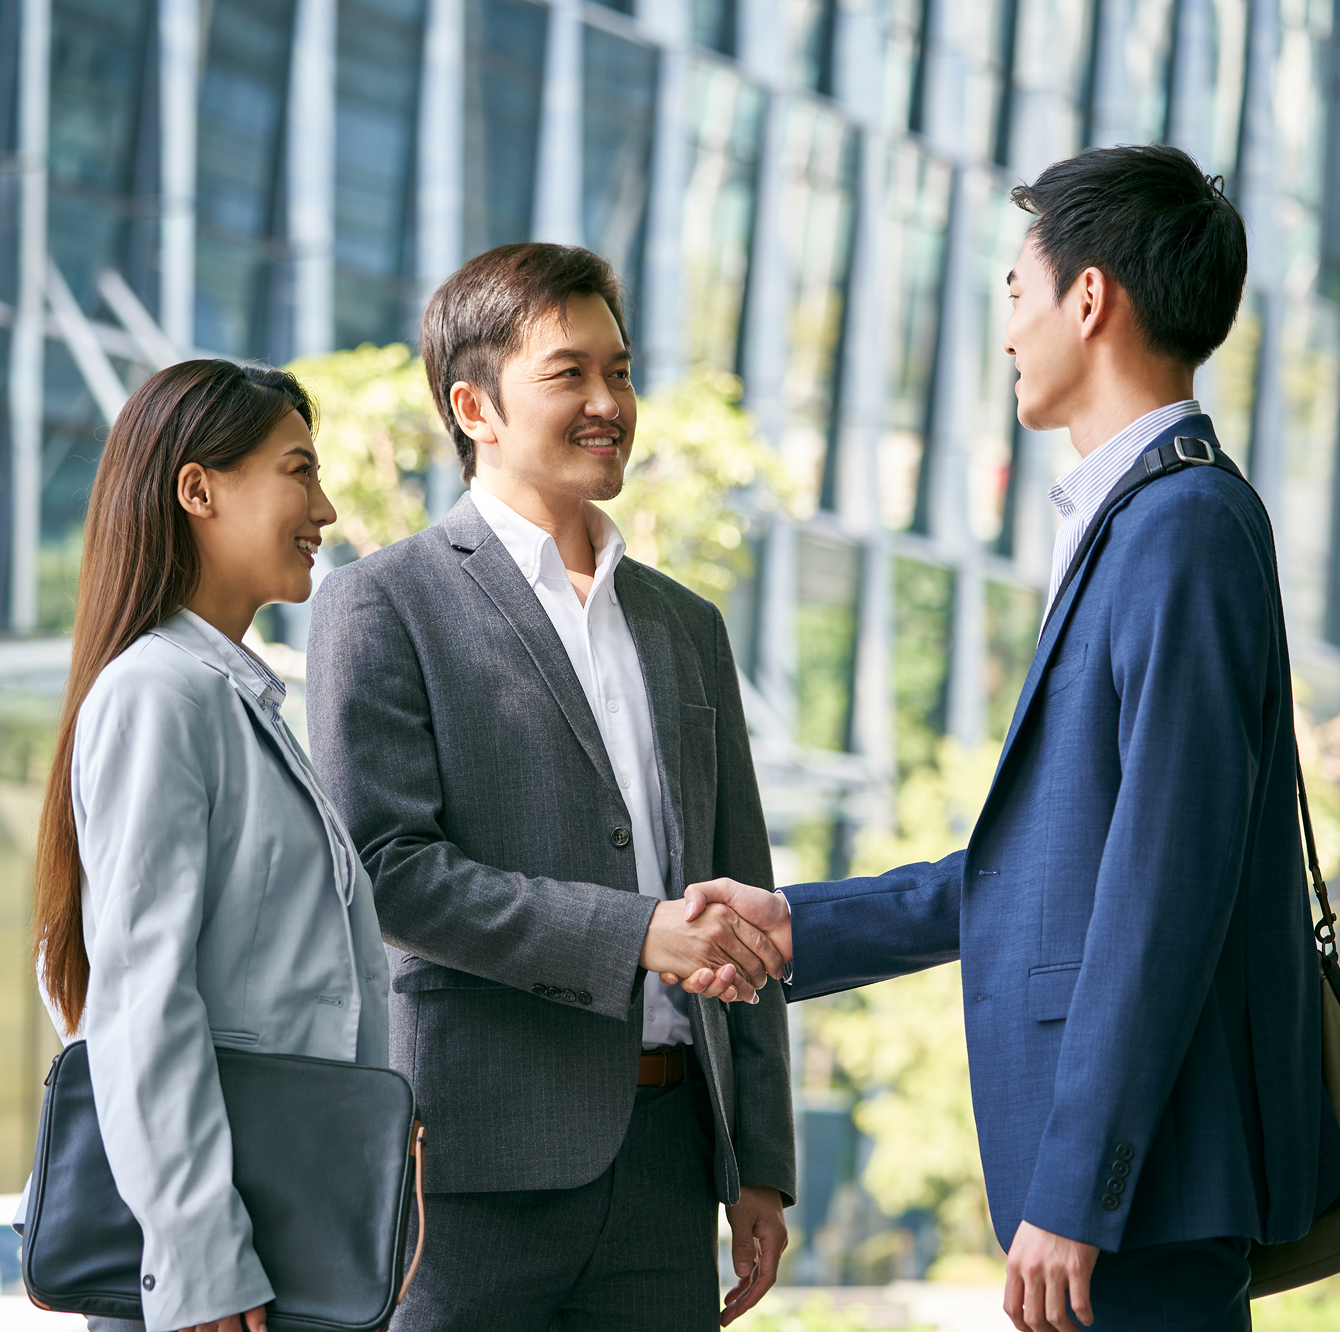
(1080, 492)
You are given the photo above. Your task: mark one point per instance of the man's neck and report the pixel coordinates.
(562, 516)
(1106, 412)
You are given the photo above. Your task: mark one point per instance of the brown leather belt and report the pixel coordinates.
(661, 1068)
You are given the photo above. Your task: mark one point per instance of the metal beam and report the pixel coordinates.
(558, 183)
(77, 333)
(26, 348)
(156, 347)
(179, 77)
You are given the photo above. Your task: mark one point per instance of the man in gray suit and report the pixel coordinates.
(537, 743)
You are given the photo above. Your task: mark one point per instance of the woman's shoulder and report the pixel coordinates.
(155, 673)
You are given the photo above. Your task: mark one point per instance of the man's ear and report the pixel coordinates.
(468, 405)
(193, 485)
(1095, 300)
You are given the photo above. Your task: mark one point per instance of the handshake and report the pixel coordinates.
(722, 940)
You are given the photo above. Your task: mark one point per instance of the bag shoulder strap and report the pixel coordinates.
(1192, 451)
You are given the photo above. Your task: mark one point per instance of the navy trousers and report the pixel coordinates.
(1197, 1286)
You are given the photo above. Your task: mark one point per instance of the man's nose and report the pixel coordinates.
(601, 403)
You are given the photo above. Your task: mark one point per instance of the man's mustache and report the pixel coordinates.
(574, 431)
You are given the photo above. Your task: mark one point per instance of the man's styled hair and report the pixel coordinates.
(479, 316)
(1150, 219)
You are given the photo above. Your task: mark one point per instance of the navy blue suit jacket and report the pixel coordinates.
(1140, 983)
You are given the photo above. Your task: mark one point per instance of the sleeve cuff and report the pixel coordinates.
(789, 969)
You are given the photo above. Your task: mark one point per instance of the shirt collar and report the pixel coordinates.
(215, 648)
(536, 552)
(1085, 486)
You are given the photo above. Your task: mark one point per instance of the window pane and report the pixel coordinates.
(916, 212)
(1301, 98)
(817, 209)
(812, 25)
(902, 61)
(618, 120)
(1230, 55)
(504, 85)
(923, 627)
(239, 247)
(1013, 617)
(714, 24)
(377, 92)
(718, 218)
(1147, 49)
(826, 610)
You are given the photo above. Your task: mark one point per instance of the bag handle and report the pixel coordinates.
(1325, 927)
(419, 1136)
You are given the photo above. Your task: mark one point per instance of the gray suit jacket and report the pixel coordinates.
(449, 724)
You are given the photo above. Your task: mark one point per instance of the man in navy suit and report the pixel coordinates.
(1139, 976)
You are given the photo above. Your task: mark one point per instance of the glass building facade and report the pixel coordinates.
(812, 194)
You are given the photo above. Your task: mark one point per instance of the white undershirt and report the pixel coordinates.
(601, 649)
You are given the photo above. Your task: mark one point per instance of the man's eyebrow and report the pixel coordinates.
(572, 353)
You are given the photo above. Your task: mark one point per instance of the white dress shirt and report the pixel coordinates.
(1080, 492)
(599, 645)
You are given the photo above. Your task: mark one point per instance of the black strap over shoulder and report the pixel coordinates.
(1182, 451)
(1161, 460)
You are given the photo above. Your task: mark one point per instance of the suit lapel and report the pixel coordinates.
(494, 570)
(641, 607)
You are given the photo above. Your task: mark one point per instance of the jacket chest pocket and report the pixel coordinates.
(1050, 990)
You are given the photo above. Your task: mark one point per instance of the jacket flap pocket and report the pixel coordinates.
(694, 714)
(1050, 989)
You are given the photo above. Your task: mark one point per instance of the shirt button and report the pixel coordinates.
(625, 782)
(613, 705)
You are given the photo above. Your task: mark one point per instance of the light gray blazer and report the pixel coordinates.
(220, 908)
(447, 720)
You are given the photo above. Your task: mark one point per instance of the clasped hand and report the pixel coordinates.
(722, 940)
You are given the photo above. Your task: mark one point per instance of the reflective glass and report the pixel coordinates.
(902, 58)
(998, 233)
(726, 117)
(1300, 97)
(98, 52)
(377, 94)
(1051, 70)
(504, 87)
(239, 238)
(1013, 617)
(923, 629)
(1310, 368)
(812, 27)
(984, 31)
(827, 596)
(714, 24)
(817, 208)
(1148, 48)
(623, 6)
(1230, 56)
(916, 213)
(619, 110)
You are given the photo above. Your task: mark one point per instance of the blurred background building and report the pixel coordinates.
(812, 194)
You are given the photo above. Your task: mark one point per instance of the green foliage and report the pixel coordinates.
(58, 581)
(815, 1315)
(378, 433)
(923, 614)
(1013, 616)
(1314, 1308)
(825, 651)
(695, 449)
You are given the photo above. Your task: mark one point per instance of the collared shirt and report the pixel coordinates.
(600, 647)
(1080, 492)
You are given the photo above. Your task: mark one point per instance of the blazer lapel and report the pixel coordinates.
(494, 570)
(655, 652)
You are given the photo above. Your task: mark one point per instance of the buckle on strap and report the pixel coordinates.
(1186, 447)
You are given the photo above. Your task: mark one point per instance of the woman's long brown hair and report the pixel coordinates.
(139, 566)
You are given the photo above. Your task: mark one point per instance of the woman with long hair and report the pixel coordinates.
(195, 886)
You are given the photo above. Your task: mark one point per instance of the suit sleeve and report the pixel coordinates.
(1190, 664)
(372, 736)
(855, 932)
(142, 793)
(765, 1131)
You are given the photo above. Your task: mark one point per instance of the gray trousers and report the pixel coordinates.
(635, 1248)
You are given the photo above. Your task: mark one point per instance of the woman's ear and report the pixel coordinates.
(467, 405)
(193, 491)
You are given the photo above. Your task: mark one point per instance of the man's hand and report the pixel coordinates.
(768, 912)
(1042, 1268)
(715, 948)
(759, 1229)
(251, 1321)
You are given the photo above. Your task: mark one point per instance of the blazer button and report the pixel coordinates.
(541, 990)
(553, 992)
(1115, 1185)
(569, 996)
(1121, 1169)
(584, 999)
(621, 837)
(148, 1283)
(1111, 1202)
(1124, 1151)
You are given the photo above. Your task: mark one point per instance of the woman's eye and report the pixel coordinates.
(306, 470)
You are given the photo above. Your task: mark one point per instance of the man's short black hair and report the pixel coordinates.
(479, 317)
(1151, 220)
